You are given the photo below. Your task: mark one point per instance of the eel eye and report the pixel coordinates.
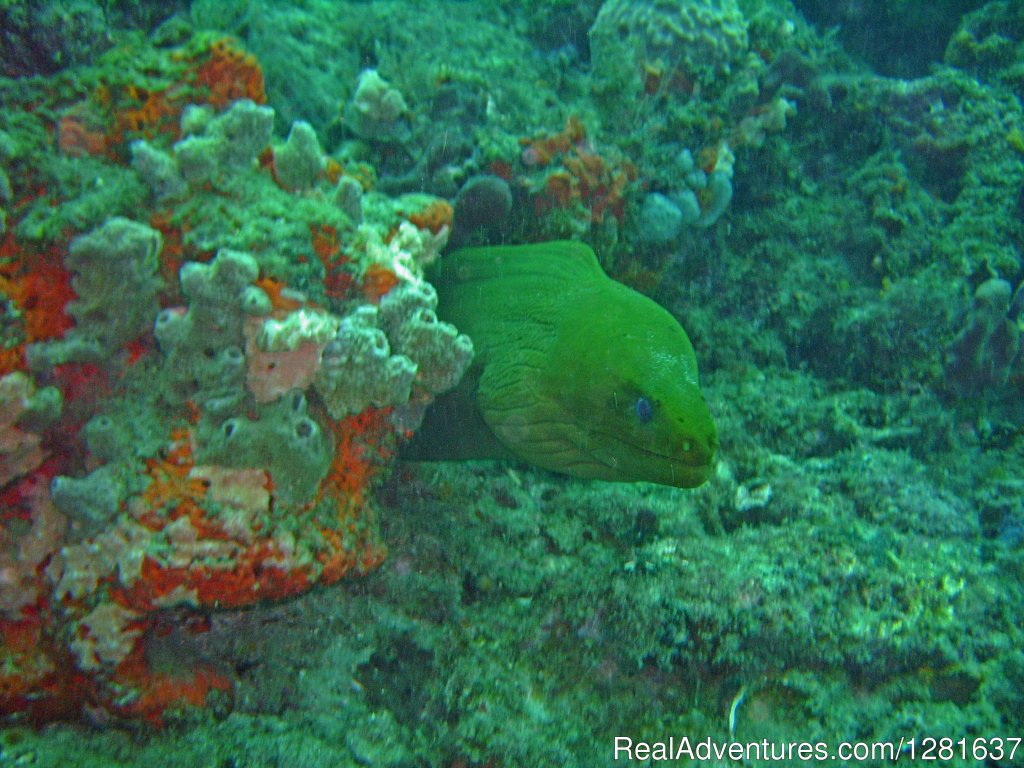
(644, 409)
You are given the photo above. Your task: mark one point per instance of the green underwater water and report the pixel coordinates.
(828, 197)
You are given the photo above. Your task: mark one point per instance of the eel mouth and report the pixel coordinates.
(683, 470)
(564, 446)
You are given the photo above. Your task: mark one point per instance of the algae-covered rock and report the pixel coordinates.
(701, 41)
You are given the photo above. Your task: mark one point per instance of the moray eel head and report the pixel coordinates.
(625, 403)
(573, 371)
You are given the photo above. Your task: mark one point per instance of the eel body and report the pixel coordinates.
(572, 371)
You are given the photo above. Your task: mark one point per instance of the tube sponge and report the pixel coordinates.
(300, 162)
(284, 440)
(377, 109)
(229, 142)
(357, 369)
(705, 194)
(116, 280)
(93, 501)
(384, 356)
(440, 352)
(203, 344)
(661, 219)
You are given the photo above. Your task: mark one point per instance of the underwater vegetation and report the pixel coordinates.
(251, 254)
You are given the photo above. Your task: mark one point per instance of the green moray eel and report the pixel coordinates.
(572, 371)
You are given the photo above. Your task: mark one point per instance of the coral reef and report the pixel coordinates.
(358, 369)
(899, 39)
(216, 333)
(399, 354)
(696, 43)
(189, 470)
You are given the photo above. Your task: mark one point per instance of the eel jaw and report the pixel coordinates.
(561, 445)
(615, 459)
